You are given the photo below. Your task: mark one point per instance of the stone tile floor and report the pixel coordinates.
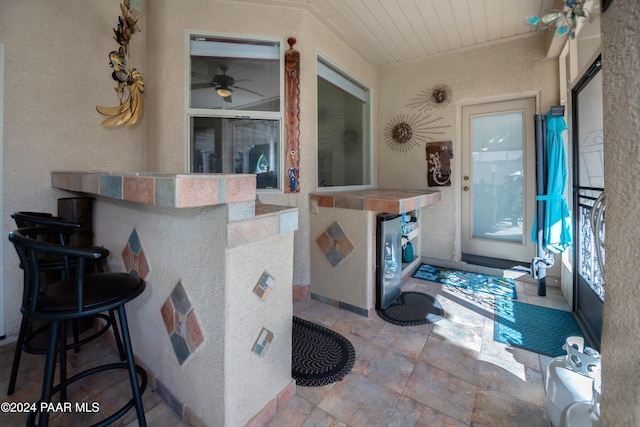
(110, 390)
(450, 373)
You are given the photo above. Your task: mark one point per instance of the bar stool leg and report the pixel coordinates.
(126, 340)
(76, 335)
(63, 358)
(16, 357)
(116, 334)
(49, 370)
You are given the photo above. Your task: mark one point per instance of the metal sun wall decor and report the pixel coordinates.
(436, 97)
(292, 116)
(129, 80)
(439, 155)
(403, 132)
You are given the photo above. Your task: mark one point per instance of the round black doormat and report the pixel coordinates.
(320, 356)
(412, 308)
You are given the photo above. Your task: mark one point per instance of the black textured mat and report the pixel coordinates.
(320, 356)
(412, 308)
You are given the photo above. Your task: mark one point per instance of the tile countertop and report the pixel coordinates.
(172, 190)
(248, 221)
(383, 200)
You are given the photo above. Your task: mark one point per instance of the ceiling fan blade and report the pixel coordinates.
(227, 99)
(200, 85)
(249, 90)
(201, 75)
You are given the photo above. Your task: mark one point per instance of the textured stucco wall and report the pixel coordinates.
(501, 71)
(188, 246)
(352, 280)
(56, 72)
(621, 328)
(167, 25)
(252, 380)
(180, 245)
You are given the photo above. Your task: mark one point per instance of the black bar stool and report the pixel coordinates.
(73, 298)
(61, 268)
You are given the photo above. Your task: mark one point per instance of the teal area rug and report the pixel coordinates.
(503, 287)
(531, 327)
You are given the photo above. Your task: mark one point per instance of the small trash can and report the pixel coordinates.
(80, 210)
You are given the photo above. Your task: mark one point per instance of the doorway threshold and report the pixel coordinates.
(504, 264)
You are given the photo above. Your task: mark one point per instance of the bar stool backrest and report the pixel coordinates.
(29, 245)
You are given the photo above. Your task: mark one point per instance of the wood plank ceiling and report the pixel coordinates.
(388, 32)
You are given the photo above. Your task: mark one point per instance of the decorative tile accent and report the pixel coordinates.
(75, 182)
(350, 203)
(165, 194)
(139, 189)
(262, 343)
(237, 189)
(111, 186)
(180, 347)
(167, 311)
(194, 191)
(335, 244)
(91, 184)
(242, 232)
(134, 257)
(241, 211)
(182, 324)
(288, 222)
(301, 292)
(264, 286)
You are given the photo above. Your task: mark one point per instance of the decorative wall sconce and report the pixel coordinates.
(129, 81)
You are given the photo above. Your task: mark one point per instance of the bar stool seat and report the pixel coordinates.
(75, 298)
(102, 291)
(49, 263)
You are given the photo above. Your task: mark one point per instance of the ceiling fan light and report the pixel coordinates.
(579, 11)
(562, 30)
(551, 17)
(223, 91)
(532, 20)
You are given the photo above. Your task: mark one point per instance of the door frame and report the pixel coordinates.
(502, 251)
(2, 49)
(587, 305)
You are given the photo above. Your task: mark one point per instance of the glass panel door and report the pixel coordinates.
(497, 177)
(497, 164)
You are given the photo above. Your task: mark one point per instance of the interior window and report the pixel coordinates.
(235, 108)
(344, 149)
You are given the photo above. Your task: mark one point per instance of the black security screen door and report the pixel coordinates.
(588, 194)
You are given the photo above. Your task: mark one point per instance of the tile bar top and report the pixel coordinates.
(171, 190)
(268, 220)
(388, 201)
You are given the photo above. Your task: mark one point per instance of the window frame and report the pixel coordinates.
(191, 113)
(325, 62)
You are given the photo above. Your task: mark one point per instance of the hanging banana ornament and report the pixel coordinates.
(129, 81)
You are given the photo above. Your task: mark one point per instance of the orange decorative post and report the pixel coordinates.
(292, 118)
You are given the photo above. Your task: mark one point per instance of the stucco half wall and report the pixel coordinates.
(189, 246)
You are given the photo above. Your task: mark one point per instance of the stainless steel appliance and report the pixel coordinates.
(388, 259)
